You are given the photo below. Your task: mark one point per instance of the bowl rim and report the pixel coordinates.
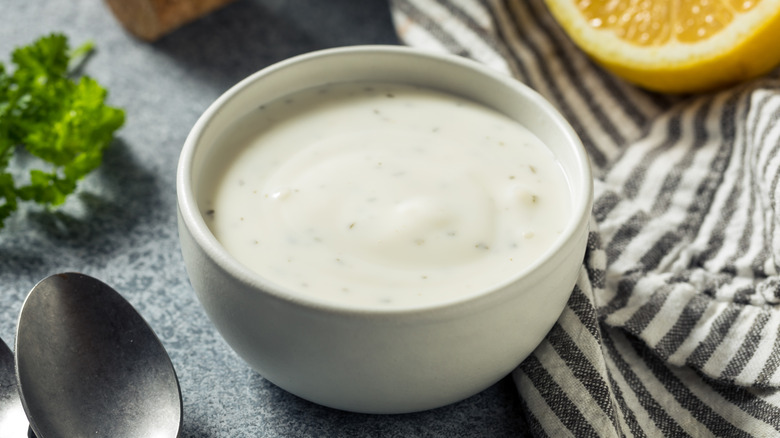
(192, 219)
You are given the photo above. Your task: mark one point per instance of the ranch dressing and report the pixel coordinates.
(383, 195)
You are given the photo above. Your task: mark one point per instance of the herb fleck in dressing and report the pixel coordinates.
(385, 195)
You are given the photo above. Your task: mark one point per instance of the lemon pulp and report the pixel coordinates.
(676, 45)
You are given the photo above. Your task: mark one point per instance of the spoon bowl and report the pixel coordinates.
(13, 421)
(89, 365)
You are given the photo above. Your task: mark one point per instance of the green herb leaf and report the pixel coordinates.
(63, 122)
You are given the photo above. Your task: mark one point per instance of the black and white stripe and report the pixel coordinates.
(673, 328)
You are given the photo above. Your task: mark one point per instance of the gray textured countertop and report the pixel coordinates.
(121, 225)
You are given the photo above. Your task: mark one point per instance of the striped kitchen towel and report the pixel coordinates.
(673, 328)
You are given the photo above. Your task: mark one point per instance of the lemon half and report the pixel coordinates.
(676, 46)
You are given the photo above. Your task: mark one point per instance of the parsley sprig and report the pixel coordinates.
(46, 113)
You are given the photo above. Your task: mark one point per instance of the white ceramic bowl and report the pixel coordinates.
(382, 361)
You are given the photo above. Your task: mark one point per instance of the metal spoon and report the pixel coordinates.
(13, 421)
(89, 365)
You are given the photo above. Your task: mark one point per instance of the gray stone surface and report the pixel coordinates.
(121, 225)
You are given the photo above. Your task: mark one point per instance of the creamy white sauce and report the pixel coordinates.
(384, 195)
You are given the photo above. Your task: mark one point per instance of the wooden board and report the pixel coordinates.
(151, 19)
